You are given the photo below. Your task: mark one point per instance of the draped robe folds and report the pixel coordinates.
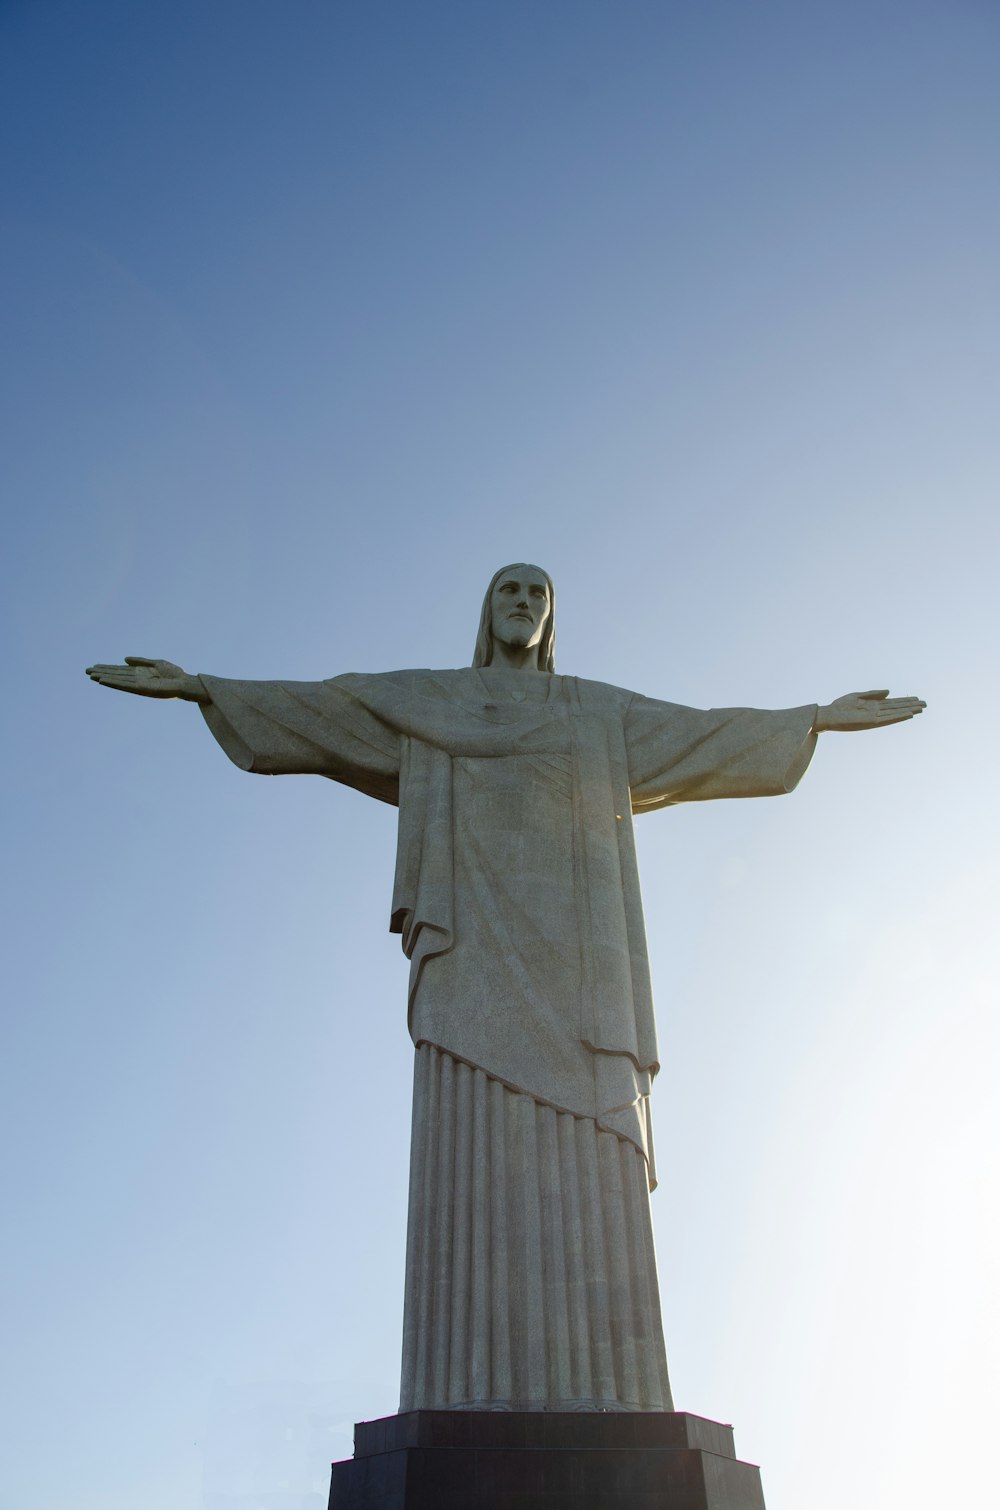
(517, 900)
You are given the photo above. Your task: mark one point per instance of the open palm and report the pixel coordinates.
(147, 678)
(867, 710)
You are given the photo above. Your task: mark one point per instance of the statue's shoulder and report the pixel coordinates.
(599, 695)
(415, 675)
(420, 681)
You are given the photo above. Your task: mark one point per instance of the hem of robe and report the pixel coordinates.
(631, 1121)
(530, 1270)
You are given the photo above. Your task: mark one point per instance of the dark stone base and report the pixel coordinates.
(492, 1460)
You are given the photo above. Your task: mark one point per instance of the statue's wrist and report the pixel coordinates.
(194, 690)
(820, 721)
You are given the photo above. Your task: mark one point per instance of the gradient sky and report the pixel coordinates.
(314, 315)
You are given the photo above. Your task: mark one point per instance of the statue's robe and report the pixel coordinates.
(530, 1275)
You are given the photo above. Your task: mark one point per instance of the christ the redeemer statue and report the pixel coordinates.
(530, 1273)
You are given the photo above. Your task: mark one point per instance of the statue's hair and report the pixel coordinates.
(484, 639)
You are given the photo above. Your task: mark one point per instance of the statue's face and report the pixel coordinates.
(520, 607)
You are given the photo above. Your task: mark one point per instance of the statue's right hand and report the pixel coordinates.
(149, 679)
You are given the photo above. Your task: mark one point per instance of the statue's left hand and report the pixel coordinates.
(866, 710)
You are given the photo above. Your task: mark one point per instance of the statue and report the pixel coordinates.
(530, 1273)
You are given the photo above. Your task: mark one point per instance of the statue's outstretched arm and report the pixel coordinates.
(150, 679)
(866, 710)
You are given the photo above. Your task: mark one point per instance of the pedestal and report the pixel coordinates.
(490, 1460)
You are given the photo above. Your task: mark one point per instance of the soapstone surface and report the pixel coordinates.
(530, 1276)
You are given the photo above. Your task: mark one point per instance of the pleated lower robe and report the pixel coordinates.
(530, 1272)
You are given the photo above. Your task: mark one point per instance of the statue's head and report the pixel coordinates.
(519, 608)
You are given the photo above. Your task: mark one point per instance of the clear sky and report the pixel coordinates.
(314, 314)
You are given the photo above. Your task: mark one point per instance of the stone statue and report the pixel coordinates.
(530, 1274)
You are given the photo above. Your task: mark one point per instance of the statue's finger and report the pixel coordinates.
(879, 692)
(138, 660)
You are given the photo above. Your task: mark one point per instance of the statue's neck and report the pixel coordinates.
(514, 657)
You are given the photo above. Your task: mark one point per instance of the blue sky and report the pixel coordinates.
(314, 315)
